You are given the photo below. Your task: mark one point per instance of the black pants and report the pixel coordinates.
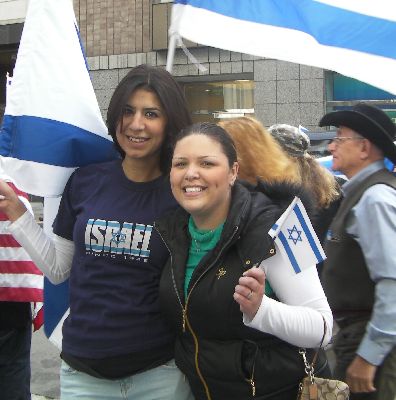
(346, 344)
(15, 363)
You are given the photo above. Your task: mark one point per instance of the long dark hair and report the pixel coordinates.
(169, 93)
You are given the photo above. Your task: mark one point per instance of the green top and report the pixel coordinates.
(202, 241)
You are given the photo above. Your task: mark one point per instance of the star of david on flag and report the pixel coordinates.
(295, 239)
(294, 234)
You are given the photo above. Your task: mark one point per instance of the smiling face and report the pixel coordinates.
(141, 131)
(201, 179)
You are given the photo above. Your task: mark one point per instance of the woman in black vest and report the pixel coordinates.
(216, 241)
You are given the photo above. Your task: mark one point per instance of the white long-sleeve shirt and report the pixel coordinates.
(52, 256)
(296, 318)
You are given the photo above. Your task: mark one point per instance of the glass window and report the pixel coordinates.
(344, 88)
(343, 92)
(213, 101)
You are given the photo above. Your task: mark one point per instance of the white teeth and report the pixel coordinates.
(135, 139)
(193, 189)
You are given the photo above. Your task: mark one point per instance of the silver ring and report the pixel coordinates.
(249, 296)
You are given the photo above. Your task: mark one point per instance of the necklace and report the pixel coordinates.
(197, 248)
(203, 240)
(198, 243)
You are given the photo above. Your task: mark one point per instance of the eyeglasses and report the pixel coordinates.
(339, 140)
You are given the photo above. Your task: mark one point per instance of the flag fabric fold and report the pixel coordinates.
(354, 38)
(295, 239)
(52, 122)
(38, 315)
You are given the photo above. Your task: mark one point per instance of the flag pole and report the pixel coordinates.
(171, 51)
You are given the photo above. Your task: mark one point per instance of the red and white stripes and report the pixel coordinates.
(20, 279)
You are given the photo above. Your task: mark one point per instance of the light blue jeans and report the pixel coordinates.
(165, 382)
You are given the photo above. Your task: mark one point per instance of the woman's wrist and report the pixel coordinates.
(15, 211)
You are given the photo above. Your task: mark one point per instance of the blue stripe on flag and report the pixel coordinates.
(56, 303)
(308, 234)
(289, 252)
(52, 142)
(389, 164)
(319, 20)
(327, 162)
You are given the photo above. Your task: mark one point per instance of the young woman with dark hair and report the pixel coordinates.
(116, 343)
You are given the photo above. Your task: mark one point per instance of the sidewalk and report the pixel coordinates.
(45, 365)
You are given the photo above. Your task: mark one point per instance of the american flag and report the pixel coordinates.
(20, 279)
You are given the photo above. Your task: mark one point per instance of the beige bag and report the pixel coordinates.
(313, 388)
(323, 389)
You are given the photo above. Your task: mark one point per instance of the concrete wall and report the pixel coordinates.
(289, 93)
(284, 92)
(12, 11)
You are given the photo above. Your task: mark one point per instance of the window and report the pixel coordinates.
(343, 92)
(213, 101)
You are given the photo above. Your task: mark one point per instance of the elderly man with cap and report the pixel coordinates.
(359, 275)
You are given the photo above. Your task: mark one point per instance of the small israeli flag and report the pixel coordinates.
(295, 239)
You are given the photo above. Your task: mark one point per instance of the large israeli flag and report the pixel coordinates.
(295, 239)
(52, 121)
(353, 37)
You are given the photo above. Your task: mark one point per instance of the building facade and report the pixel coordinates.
(120, 34)
(233, 83)
(12, 15)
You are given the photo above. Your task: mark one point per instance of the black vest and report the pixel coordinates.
(346, 281)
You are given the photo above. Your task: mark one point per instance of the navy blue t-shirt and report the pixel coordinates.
(114, 307)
